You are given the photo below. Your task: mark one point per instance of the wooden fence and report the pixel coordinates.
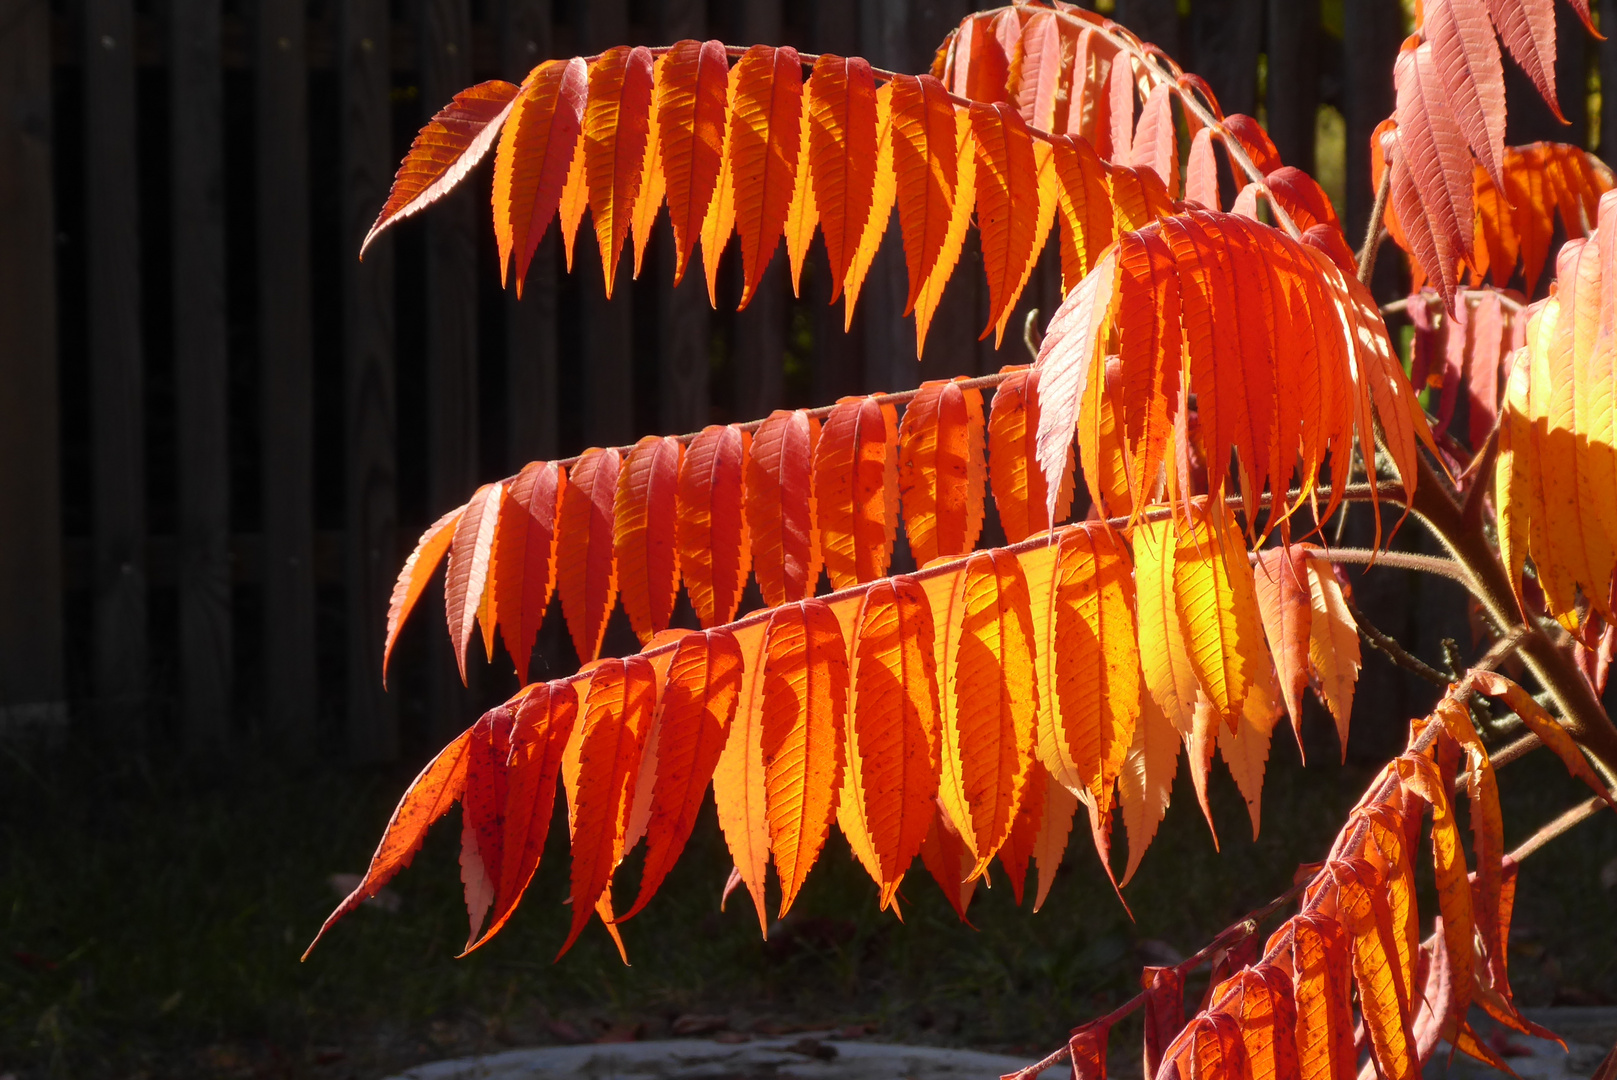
(220, 433)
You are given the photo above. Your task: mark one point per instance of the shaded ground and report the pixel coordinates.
(152, 926)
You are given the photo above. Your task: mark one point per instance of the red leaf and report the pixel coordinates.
(469, 561)
(715, 552)
(525, 557)
(457, 137)
(841, 155)
(645, 515)
(537, 147)
(693, 719)
(617, 715)
(428, 798)
(780, 507)
(587, 572)
(617, 127)
(693, 88)
(764, 134)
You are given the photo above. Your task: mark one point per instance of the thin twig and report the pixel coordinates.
(1401, 560)
(1551, 829)
(1389, 647)
(1373, 235)
(1031, 337)
(1394, 307)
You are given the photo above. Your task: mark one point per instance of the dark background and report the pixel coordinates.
(220, 435)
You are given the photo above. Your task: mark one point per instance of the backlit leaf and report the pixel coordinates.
(586, 571)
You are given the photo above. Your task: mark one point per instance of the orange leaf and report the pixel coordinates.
(1246, 749)
(1165, 661)
(645, 515)
(693, 717)
(1146, 779)
(802, 212)
(940, 470)
(469, 563)
(587, 572)
(1019, 489)
(763, 152)
(1437, 159)
(780, 507)
(947, 858)
(1090, 690)
(840, 103)
(805, 703)
(532, 164)
(930, 294)
(1060, 805)
(1321, 990)
(990, 699)
(1218, 610)
(924, 164)
(715, 550)
(1421, 777)
(856, 489)
(617, 713)
(1487, 834)
(1333, 644)
(892, 775)
(1201, 172)
(720, 219)
(739, 791)
(428, 798)
(1260, 1001)
(1088, 1049)
(1285, 605)
(575, 199)
(482, 814)
(1361, 907)
(414, 575)
(1043, 58)
(653, 180)
(617, 125)
(1156, 140)
(457, 137)
(1545, 726)
(1086, 207)
(545, 714)
(883, 195)
(1007, 190)
(693, 89)
(1017, 850)
(525, 556)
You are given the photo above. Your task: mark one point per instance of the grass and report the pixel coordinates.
(154, 915)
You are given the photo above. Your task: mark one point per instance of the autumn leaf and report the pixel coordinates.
(644, 525)
(534, 160)
(617, 125)
(414, 576)
(856, 489)
(586, 569)
(715, 552)
(941, 470)
(780, 507)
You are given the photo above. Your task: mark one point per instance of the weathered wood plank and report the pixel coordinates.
(683, 316)
(31, 687)
(760, 343)
(291, 692)
(1371, 31)
(1156, 21)
(118, 454)
(1224, 38)
(608, 358)
(530, 323)
(371, 470)
(1292, 101)
(1608, 82)
(201, 373)
(452, 311)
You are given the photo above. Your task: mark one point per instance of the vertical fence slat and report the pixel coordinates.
(1608, 82)
(1225, 37)
(530, 352)
(117, 394)
(683, 322)
(31, 687)
(889, 345)
(1156, 21)
(201, 372)
(760, 329)
(369, 412)
(608, 324)
(1293, 84)
(285, 360)
(1371, 31)
(838, 355)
